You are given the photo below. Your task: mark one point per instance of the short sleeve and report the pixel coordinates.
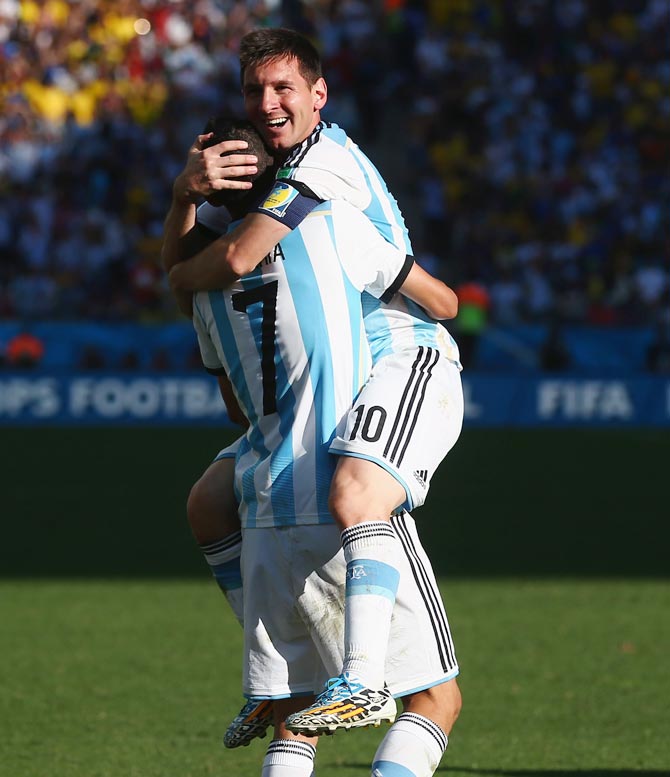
(372, 263)
(208, 354)
(215, 219)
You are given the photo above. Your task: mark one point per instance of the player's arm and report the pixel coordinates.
(212, 363)
(393, 271)
(230, 401)
(178, 222)
(179, 225)
(230, 257)
(189, 245)
(205, 172)
(434, 296)
(237, 253)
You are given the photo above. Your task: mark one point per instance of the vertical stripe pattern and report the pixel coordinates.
(429, 593)
(410, 405)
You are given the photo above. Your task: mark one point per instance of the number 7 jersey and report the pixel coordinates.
(291, 338)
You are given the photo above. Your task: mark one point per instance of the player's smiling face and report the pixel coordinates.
(281, 104)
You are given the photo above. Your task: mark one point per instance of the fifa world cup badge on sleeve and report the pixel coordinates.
(277, 202)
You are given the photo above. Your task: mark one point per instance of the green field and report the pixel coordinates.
(120, 658)
(139, 678)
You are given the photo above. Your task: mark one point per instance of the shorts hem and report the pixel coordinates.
(408, 504)
(425, 685)
(278, 696)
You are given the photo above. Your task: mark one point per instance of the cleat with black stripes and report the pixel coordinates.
(252, 721)
(345, 704)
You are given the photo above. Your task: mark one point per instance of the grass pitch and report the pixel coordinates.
(139, 679)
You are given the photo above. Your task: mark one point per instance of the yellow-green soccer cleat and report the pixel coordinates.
(251, 722)
(344, 704)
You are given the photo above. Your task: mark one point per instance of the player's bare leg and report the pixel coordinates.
(211, 507)
(362, 498)
(441, 703)
(363, 491)
(212, 514)
(417, 740)
(289, 753)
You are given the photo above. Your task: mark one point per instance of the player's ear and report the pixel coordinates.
(319, 93)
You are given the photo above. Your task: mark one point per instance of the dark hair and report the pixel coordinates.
(231, 128)
(269, 43)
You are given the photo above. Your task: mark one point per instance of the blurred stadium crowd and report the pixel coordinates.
(533, 164)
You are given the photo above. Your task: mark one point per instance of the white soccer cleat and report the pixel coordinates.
(251, 722)
(344, 704)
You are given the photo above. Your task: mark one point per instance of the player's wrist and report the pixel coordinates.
(183, 194)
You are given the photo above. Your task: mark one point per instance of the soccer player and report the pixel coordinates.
(308, 289)
(392, 445)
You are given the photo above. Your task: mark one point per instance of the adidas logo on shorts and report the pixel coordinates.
(422, 476)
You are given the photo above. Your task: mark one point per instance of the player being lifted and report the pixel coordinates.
(390, 444)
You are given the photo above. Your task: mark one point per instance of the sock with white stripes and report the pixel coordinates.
(413, 747)
(223, 557)
(289, 758)
(372, 552)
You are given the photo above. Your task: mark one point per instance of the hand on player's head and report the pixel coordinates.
(225, 163)
(223, 141)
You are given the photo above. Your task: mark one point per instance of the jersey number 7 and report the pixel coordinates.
(267, 294)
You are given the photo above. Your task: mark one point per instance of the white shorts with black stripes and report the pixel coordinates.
(407, 418)
(294, 581)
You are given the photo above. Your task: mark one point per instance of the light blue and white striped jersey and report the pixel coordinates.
(332, 166)
(291, 338)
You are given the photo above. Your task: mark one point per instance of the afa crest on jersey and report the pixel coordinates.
(277, 202)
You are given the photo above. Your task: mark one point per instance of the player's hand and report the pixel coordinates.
(207, 171)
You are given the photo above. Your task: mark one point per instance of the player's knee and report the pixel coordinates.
(450, 701)
(198, 503)
(455, 704)
(211, 512)
(341, 503)
(441, 703)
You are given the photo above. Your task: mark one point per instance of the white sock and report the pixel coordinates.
(372, 552)
(289, 758)
(413, 747)
(223, 557)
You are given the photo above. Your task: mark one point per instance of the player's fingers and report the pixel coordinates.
(231, 183)
(236, 171)
(229, 146)
(237, 160)
(197, 146)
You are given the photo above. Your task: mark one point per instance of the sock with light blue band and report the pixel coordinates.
(372, 552)
(223, 558)
(413, 747)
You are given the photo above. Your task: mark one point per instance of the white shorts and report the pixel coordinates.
(294, 613)
(406, 419)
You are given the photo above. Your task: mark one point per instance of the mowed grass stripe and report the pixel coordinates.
(127, 678)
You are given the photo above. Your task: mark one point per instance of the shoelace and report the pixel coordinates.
(339, 688)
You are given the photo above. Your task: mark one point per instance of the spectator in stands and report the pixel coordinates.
(658, 353)
(534, 127)
(91, 358)
(554, 353)
(473, 306)
(25, 350)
